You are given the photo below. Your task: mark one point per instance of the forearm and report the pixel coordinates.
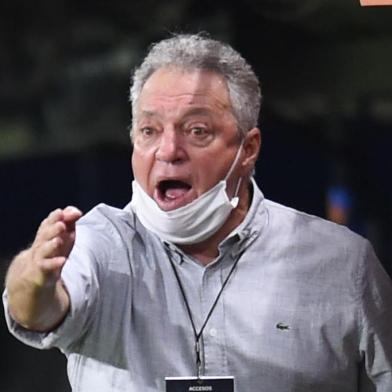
(35, 302)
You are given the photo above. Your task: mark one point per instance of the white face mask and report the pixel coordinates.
(193, 222)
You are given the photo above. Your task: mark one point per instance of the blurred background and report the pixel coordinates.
(325, 68)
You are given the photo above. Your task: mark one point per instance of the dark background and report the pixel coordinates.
(325, 68)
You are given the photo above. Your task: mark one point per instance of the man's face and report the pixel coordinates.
(185, 136)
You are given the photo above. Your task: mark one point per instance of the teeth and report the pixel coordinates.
(175, 193)
(172, 189)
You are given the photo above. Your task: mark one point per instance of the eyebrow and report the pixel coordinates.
(187, 113)
(148, 113)
(196, 111)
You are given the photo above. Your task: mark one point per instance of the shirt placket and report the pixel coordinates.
(213, 340)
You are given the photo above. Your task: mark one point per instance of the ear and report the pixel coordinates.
(251, 148)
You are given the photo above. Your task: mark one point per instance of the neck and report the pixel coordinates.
(208, 250)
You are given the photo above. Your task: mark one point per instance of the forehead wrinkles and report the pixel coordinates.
(186, 86)
(180, 105)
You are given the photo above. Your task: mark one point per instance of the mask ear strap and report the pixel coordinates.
(234, 164)
(235, 200)
(238, 187)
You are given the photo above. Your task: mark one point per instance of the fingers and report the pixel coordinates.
(53, 243)
(46, 227)
(57, 222)
(68, 215)
(53, 230)
(54, 216)
(50, 248)
(71, 214)
(52, 266)
(55, 237)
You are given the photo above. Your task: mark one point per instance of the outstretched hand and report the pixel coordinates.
(37, 297)
(53, 244)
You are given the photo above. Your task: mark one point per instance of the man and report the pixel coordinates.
(200, 275)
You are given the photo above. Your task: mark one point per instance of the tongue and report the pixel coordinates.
(175, 193)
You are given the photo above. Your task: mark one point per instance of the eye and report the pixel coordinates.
(147, 131)
(199, 132)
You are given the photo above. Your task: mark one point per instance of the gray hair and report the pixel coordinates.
(197, 51)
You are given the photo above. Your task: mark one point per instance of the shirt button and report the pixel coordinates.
(213, 332)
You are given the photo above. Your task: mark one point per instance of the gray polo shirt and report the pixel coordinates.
(308, 307)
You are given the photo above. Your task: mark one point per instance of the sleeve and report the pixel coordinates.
(81, 276)
(376, 320)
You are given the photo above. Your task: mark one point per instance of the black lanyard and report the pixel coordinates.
(199, 334)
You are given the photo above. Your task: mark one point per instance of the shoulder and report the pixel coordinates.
(111, 234)
(290, 219)
(303, 231)
(324, 254)
(104, 230)
(107, 222)
(104, 216)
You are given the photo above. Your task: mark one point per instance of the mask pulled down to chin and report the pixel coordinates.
(191, 223)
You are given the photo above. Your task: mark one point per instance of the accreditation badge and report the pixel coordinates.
(200, 384)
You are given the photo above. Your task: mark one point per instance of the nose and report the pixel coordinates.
(170, 148)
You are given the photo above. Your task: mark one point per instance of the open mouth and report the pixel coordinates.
(170, 190)
(172, 193)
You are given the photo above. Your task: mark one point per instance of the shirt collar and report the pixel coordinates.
(243, 235)
(252, 225)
